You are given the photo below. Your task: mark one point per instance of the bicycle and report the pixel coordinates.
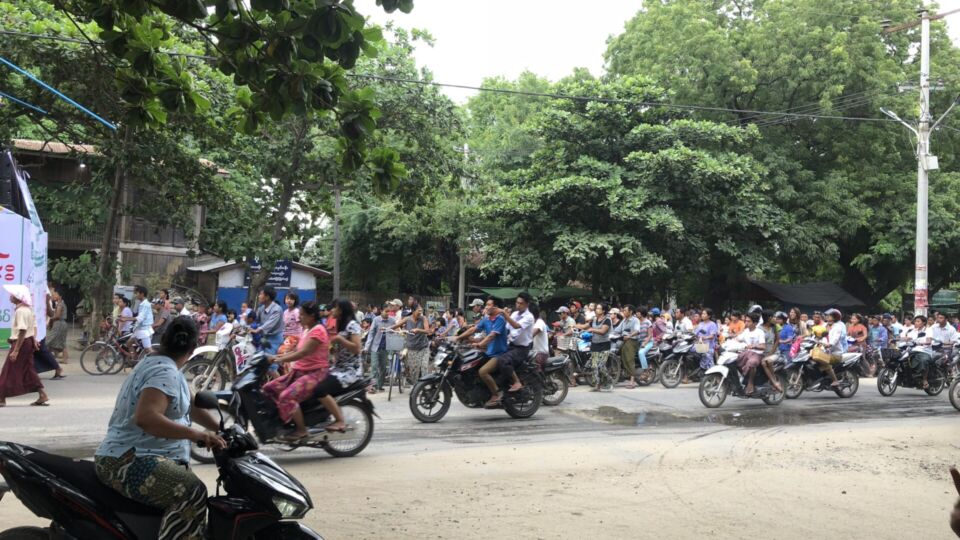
(395, 342)
(111, 355)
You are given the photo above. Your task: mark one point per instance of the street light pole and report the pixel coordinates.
(920, 283)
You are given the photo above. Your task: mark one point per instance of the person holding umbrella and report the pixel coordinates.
(18, 376)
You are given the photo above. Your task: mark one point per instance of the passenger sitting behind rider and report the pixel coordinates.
(494, 326)
(347, 366)
(146, 453)
(755, 340)
(310, 366)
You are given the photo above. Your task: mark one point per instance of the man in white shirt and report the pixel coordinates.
(686, 323)
(541, 341)
(520, 339)
(143, 324)
(755, 340)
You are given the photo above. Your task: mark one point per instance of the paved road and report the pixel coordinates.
(81, 406)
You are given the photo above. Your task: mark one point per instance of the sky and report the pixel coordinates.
(475, 40)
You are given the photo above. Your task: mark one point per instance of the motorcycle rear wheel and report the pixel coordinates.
(853, 382)
(671, 373)
(527, 408)
(420, 395)
(25, 533)
(935, 388)
(713, 390)
(886, 383)
(562, 385)
(776, 398)
(794, 384)
(360, 421)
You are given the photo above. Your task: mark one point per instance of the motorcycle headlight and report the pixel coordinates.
(289, 509)
(440, 359)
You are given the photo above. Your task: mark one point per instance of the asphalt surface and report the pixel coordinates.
(81, 405)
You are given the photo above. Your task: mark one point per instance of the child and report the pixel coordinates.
(232, 317)
(252, 325)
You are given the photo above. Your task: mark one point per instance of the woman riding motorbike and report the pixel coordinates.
(146, 452)
(310, 367)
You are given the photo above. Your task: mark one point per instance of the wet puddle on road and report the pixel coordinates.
(760, 418)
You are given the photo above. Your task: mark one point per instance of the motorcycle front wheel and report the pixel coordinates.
(526, 404)
(936, 386)
(794, 384)
(955, 394)
(671, 373)
(850, 383)
(203, 373)
(430, 403)
(359, 422)
(713, 390)
(558, 386)
(887, 382)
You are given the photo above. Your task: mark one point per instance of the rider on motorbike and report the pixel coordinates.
(494, 326)
(835, 342)
(771, 340)
(520, 340)
(146, 452)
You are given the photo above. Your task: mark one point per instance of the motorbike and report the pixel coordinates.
(803, 374)
(898, 372)
(457, 371)
(556, 384)
(212, 367)
(725, 379)
(261, 500)
(247, 406)
(681, 362)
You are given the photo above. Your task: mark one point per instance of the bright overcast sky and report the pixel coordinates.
(475, 40)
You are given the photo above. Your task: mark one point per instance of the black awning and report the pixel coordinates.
(821, 294)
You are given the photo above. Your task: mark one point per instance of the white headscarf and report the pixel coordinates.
(20, 292)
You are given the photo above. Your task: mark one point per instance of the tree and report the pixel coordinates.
(624, 197)
(847, 187)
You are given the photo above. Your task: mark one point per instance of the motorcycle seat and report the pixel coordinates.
(82, 475)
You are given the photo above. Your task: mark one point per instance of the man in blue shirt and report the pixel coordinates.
(270, 316)
(495, 343)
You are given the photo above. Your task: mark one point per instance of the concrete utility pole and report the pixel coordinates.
(336, 240)
(926, 162)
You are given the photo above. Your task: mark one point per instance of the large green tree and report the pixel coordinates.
(847, 187)
(630, 198)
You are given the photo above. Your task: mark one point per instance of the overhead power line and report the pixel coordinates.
(547, 95)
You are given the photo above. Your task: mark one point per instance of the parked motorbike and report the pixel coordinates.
(458, 372)
(261, 499)
(803, 374)
(898, 372)
(725, 379)
(581, 363)
(682, 362)
(212, 367)
(246, 406)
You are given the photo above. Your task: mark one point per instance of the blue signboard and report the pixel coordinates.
(279, 278)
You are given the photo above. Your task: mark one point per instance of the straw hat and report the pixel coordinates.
(20, 292)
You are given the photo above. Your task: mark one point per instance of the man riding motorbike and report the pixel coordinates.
(835, 343)
(519, 340)
(494, 326)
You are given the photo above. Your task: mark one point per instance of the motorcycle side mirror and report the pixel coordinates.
(208, 400)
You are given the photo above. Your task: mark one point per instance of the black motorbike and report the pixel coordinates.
(803, 374)
(458, 372)
(581, 362)
(898, 372)
(681, 362)
(260, 501)
(246, 405)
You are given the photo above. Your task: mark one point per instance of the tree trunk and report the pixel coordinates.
(336, 240)
(258, 280)
(101, 296)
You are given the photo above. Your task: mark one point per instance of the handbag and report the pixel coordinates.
(702, 348)
(821, 354)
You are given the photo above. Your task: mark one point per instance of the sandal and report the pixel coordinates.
(336, 430)
(39, 403)
(58, 377)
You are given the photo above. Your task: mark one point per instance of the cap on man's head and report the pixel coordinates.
(476, 303)
(887, 316)
(563, 309)
(576, 304)
(655, 311)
